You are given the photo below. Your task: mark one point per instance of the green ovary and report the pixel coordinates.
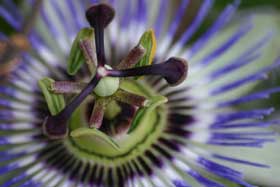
(147, 129)
(107, 86)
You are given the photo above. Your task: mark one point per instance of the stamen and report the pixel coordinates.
(133, 57)
(99, 16)
(130, 98)
(56, 126)
(88, 49)
(97, 115)
(174, 71)
(67, 87)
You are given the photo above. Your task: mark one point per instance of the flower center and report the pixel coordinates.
(118, 110)
(130, 128)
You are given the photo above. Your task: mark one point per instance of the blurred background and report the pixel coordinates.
(266, 16)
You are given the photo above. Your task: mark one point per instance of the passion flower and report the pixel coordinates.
(99, 105)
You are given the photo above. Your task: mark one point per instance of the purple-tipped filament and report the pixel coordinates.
(174, 71)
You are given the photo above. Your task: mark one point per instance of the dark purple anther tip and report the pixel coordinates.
(100, 15)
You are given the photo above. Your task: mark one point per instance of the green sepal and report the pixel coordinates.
(76, 58)
(153, 102)
(148, 41)
(55, 102)
(93, 136)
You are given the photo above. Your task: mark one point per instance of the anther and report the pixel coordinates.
(97, 115)
(133, 57)
(88, 49)
(130, 98)
(67, 87)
